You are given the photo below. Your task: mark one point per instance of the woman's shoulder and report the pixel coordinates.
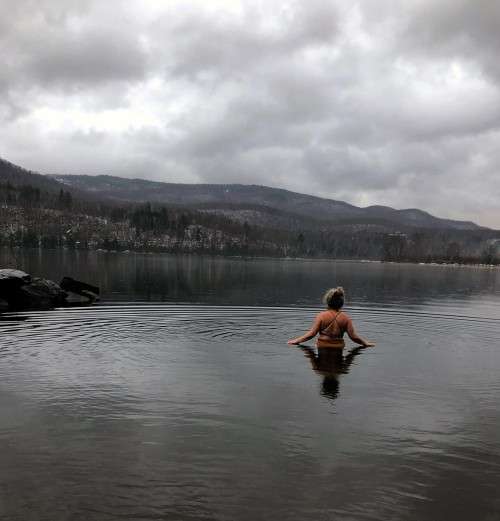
(330, 313)
(345, 316)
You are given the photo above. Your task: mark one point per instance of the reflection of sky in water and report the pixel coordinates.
(160, 411)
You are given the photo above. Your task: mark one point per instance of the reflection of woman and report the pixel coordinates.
(330, 364)
(332, 324)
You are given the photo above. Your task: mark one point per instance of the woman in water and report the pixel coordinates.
(332, 324)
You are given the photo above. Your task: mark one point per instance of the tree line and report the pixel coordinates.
(32, 216)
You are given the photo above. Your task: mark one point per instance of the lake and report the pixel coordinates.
(178, 398)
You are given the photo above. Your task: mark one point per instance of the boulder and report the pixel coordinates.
(10, 282)
(11, 279)
(80, 288)
(21, 291)
(40, 294)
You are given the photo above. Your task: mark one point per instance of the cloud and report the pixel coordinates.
(229, 44)
(86, 59)
(369, 102)
(457, 29)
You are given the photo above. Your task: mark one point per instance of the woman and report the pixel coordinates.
(332, 324)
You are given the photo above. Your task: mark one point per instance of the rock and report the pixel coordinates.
(21, 291)
(10, 282)
(10, 279)
(80, 288)
(39, 294)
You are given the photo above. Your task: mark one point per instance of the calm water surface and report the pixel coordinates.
(177, 397)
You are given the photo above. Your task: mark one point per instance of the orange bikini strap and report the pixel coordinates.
(332, 322)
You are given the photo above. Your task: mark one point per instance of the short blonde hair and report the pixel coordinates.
(334, 297)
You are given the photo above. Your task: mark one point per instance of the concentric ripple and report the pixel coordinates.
(156, 322)
(189, 411)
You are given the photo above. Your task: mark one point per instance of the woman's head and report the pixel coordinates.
(334, 298)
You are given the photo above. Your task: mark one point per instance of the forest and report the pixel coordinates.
(44, 217)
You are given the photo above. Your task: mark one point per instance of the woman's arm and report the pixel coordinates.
(355, 337)
(315, 328)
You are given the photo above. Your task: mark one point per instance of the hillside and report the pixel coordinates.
(18, 176)
(108, 213)
(15, 178)
(213, 197)
(258, 205)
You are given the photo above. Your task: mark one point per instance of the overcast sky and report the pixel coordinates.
(371, 102)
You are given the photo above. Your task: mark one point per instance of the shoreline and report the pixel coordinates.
(247, 258)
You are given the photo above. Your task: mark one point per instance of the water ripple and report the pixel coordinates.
(152, 322)
(152, 411)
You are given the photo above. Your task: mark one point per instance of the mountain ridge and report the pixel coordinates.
(213, 197)
(183, 194)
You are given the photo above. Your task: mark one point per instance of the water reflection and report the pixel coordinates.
(264, 282)
(140, 410)
(330, 364)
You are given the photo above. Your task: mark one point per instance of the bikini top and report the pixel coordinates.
(340, 333)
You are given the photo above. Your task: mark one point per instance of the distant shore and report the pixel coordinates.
(13, 253)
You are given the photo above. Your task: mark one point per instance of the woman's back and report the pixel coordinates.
(332, 326)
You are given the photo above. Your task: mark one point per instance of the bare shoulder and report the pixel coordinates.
(345, 317)
(324, 316)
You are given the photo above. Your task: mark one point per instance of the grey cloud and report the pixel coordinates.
(458, 29)
(251, 122)
(355, 102)
(198, 42)
(64, 45)
(87, 59)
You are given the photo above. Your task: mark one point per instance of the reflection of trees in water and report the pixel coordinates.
(330, 363)
(250, 282)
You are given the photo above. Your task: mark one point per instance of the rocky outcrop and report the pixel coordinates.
(22, 291)
(80, 288)
(11, 279)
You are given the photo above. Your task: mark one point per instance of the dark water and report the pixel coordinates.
(177, 398)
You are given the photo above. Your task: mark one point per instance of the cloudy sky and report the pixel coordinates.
(371, 102)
